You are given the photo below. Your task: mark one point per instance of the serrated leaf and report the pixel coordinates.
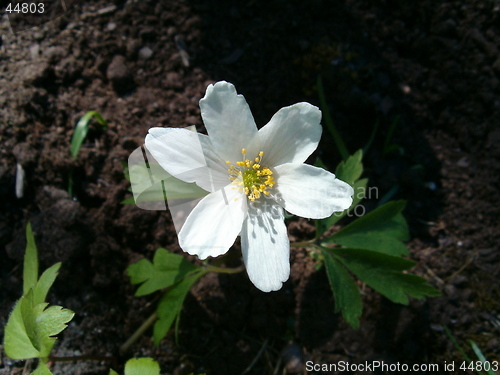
(142, 366)
(382, 230)
(351, 169)
(170, 305)
(44, 283)
(167, 269)
(345, 292)
(30, 270)
(384, 273)
(17, 344)
(29, 330)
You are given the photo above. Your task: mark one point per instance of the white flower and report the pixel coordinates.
(251, 176)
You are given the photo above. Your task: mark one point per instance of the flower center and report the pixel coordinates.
(250, 176)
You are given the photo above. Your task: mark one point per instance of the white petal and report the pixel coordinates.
(311, 192)
(187, 156)
(292, 134)
(265, 247)
(214, 224)
(229, 122)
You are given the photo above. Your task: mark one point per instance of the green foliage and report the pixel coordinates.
(382, 230)
(32, 325)
(170, 271)
(140, 366)
(167, 269)
(30, 270)
(370, 248)
(348, 171)
(170, 306)
(81, 130)
(345, 292)
(42, 369)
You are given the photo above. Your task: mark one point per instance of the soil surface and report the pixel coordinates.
(431, 68)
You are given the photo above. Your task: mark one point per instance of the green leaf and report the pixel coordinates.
(351, 169)
(382, 230)
(170, 305)
(50, 322)
(481, 357)
(43, 285)
(30, 329)
(345, 292)
(42, 369)
(129, 200)
(167, 269)
(142, 366)
(81, 130)
(112, 372)
(384, 274)
(17, 344)
(30, 271)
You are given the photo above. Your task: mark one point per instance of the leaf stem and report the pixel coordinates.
(302, 243)
(211, 268)
(138, 333)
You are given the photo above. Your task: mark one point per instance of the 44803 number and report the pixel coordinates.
(479, 366)
(26, 8)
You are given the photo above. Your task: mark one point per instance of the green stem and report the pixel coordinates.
(211, 268)
(148, 323)
(302, 243)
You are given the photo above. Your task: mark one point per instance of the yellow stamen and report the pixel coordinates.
(250, 176)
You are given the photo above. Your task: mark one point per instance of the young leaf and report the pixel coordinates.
(81, 130)
(30, 271)
(382, 230)
(167, 269)
(142, 366)
(17, 344)
(351, 169)
(44, 283)
(29, 330)
(345, 292)
(384, 274)
(170, 305)
(479, 354)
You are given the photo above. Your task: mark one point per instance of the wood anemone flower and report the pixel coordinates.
(250, 175)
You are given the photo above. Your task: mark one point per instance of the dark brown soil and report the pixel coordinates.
(432, 66)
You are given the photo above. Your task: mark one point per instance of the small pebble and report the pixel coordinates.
(106, 10)
(145, 53)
